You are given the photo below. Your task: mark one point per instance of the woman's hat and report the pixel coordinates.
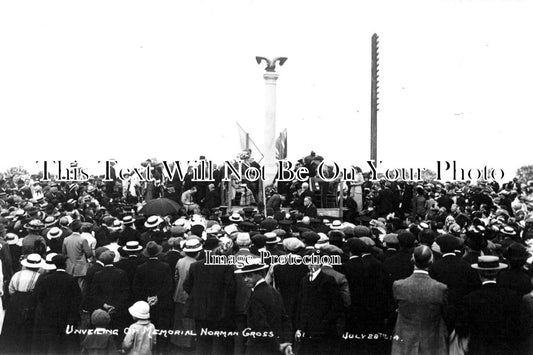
(140, 310)
(32, 261)
(192, 245)
(153, 221)
(49, 264)
(54, 233)
(489, 262)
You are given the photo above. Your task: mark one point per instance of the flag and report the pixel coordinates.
(247, 143)
(281, 145)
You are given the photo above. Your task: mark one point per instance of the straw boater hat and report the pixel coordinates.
(507, 230)
(192, 245)
(140, 310)
(254, 265)
(32, 261)
(132, 246)
(336, 225)
(235, 217)
(153, 221)
(34, 225)
(126, 220)
(54, 233)
(11, 238)
(272, 238)
(489, 262)
(49, 264)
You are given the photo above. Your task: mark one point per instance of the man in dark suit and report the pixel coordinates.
(172, 256)
(110, 291)
(129, 233)
(400, 266)
(57, 297)
(309, 208)
(129, 264)
(319, 309)
(288, 277)
(490, 316)
(455, 273)
(95, 267)
(211, 301)
(369, 297)
(266, 317)
(153, 284)
(516, 277)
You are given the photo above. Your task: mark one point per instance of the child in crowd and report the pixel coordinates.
(102, 341)
(141, 336)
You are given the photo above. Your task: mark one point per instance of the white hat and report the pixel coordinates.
(231, 229)
(11, 238)
(336, 224)
(54, 233)
(140, 310)
(49, 265)
(243, 239)
(132, 246)
(33, 261)
(235, 217)
(192, 245)
(153, 221)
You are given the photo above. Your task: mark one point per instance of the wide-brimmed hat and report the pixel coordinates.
(336, 224)
(192, 245)
(140, 310)
(128, 220)
(152, 249)
(132, 246)
(54, 232)
(153, 221)
(507, 230)
(272, 238)
(489, 262)
(49, 221)
(253, 265)
(34, 225)
(33, 261)
(11, 238)
(49, 264)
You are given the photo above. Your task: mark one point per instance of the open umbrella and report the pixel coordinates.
(160, 207)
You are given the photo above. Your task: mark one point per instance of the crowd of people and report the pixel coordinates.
(426, 268)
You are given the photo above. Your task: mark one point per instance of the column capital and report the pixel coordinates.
(269, 76)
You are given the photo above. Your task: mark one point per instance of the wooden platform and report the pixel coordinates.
(325, 212)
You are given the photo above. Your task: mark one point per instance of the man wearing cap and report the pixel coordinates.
(76, 248)
(400, 266)
(490, 316)
(268, 324)
(57, 297)
(420, 327)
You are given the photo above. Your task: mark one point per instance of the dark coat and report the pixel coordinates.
(110, 286)
(491, 317)
(266, 315)
(516, 279)
(319, 307)
(211, 290)
(127, 235)
(89, 277)
(399, 266)
(310, 211)
(153, 278)
(57, 298)
(287, 280)
(368, 292)
(129, 265)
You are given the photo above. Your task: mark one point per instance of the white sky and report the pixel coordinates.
(92, 80)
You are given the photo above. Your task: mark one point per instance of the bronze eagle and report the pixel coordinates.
(271, 64)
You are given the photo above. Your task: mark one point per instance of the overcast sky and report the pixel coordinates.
(95, 80)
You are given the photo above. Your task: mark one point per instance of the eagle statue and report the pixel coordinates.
(271, 64)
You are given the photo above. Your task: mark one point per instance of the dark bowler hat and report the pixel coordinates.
(406, 239)
(448, 243)
(310, 237)
(152, 249)
(269, 224)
